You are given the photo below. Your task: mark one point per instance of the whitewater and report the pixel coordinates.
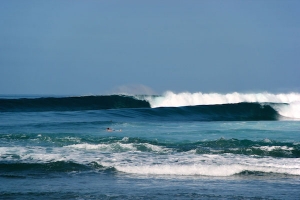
(171, 99)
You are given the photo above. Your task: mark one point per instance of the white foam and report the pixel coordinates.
(104, 147)
(186, 170)
(204, 170)
(118, 147)
(170, 99)
(31, 154)
(290, 111)
(125, 139)
(272, 148)
(152, 162)
(267, 140)
(182, 164)
(155, 148)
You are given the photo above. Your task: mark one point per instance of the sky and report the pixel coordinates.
(75, 47)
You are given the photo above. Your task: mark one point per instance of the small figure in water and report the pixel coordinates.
(109, 130)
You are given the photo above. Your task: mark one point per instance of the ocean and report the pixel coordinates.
(170, 146)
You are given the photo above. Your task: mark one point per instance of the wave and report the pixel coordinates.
(206, 170)
(287, 105)
(197, 106)
(71, 103)
(222, 157)
(170, 99)
(22, 170)
(261, 148)
(223, 112)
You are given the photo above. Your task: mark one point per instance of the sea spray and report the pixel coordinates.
(289, 111)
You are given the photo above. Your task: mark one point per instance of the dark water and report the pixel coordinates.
(58, 148)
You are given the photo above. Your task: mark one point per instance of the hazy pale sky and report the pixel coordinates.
(80, 47)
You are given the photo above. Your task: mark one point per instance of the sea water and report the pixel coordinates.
(58, 148)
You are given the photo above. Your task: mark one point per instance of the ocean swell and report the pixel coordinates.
(71, 103)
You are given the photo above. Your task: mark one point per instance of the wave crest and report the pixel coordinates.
(170, 99)
(291, 110)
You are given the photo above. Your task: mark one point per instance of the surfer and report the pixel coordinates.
(110, 130)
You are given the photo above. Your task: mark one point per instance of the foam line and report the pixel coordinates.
(203, 170)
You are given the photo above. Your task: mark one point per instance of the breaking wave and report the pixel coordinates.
(146, 157)
(170, 99)
(287, 105)
(205, 106)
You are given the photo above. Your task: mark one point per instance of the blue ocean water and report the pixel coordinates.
(235, 147)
